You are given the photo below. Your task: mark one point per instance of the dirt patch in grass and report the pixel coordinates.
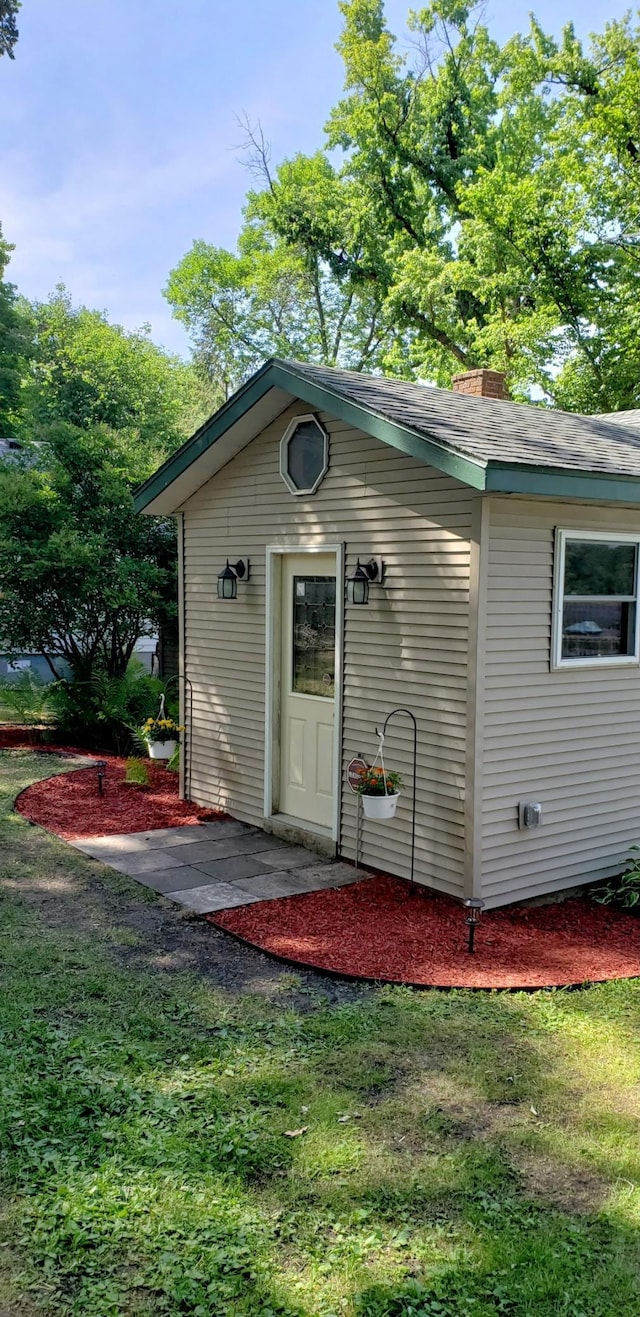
(563, 1187)
(71, 892)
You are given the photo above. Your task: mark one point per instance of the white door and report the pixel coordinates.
(308, 687)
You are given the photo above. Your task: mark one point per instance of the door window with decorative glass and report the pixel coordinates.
(314, 635)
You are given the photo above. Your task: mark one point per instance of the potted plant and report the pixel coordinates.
(380, 791)
(160, 736)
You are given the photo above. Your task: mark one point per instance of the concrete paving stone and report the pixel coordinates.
(197, 852)
(164, 881)
(235, 867)
(219, 828)
(135, 862)
(160, 838)
(115, 845)
(334, 875)
(214, 896)
(201, 850)
(307, 880)
(272, 886)
(290, 857)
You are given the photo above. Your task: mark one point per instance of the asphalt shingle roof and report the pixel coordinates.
(485, 430)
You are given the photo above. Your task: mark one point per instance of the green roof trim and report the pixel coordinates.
(397, 436)
(483, 473)
(550, 482)
(232, 411)
(274, 375)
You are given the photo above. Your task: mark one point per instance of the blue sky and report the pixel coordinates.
(120, 140)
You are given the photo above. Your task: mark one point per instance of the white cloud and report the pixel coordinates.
(110, 226)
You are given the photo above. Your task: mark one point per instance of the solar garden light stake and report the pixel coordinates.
(101, 767)
(474, 907)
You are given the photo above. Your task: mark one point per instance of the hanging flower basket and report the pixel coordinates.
(380, 807)
(380, 792)
(161, 749)
(160, 735)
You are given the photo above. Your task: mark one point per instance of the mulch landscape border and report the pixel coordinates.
(124, 808)
(355, 931)
(340, 975)
(385, 904)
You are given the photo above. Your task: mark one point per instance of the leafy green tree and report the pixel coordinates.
(89, 372)
(484, 197)
(15, 348)
(275, 296)
(81, 574)
(8, 27)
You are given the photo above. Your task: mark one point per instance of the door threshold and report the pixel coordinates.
(301, 833)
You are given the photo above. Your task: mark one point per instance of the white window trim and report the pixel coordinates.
(284, 444)
(610, 661)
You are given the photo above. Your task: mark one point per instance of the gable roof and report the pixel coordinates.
(483, 442)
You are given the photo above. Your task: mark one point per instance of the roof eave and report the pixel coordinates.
(556, 482)
(492, 477)
(231, 411)
(274, 374)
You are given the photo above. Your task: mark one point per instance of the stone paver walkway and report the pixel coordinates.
(216, 866)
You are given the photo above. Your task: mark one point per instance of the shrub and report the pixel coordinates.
(625, 889)
(105, 712)
(27, 699)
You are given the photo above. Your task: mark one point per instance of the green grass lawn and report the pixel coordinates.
(463, 1154)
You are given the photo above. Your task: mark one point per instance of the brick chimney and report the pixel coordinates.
(481, 384)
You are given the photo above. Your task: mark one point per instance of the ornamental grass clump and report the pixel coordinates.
(379, 782)
(136, 773)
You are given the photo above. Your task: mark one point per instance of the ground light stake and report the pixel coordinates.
(102, 768)
(474, 907)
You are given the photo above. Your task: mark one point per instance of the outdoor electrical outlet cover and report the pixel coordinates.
(529, 814)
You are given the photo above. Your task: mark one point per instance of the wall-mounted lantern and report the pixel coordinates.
(366, 574)
(230, 575)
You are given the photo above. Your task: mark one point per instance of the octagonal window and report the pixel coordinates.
(304, 455)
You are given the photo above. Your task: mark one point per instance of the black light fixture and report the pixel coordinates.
(230, 575)
(474, 907)
(366, 574)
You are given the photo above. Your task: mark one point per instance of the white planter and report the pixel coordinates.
(380, 807)
(161, 749)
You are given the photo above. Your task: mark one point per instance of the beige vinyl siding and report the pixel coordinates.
(408, 647)
(569, 739)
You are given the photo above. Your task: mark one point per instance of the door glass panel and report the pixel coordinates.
(314, 635)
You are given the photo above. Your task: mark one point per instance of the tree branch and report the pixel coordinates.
(438, 335)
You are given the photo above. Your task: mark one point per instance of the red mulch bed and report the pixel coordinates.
(70, 805)
(377, 930)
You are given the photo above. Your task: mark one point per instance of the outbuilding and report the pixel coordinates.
(497, 546)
